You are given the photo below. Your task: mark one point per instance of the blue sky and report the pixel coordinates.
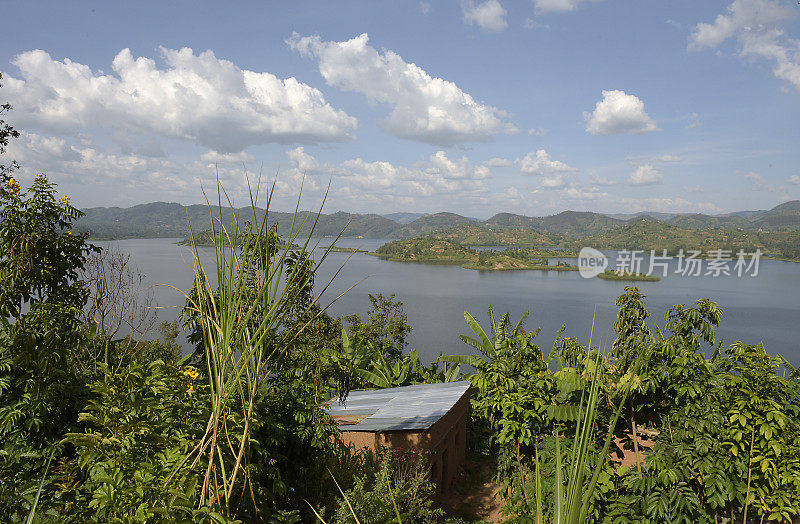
(474, 107)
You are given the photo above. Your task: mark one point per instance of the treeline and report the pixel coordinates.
(161, 219)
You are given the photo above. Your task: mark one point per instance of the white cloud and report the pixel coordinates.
(645, 175)
(199, 98)
(215, 157)
(749, 15)
(303, 161)
(553, 182)
(694, 121)
(539, 131)
(586, 197)
(424, 108)
(87, 167)
(510, 195)
(462, 169)
(357, 184)
(756, 25)
(602, 181)
(645, 159)
(759, 184)
(667, 205)
(617, 113)
(498, 162)
(557, 6)
(425, 7)
(794, 179)
(583, 193)
(532, 23)
(488, 15)
(693, 189)
(363, 181)
(668, 158)
(540, 163)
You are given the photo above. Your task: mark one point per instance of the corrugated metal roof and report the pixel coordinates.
(415, 407)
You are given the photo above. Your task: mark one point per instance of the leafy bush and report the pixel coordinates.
(40, 306)
(141, 422)
(400, 487)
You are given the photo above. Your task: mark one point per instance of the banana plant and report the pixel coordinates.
(451, 372)
(503, 338)
(383, 374)
(344, 364)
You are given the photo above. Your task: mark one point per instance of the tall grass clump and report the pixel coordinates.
(240, 306)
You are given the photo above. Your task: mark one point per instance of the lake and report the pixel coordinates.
(762, 308)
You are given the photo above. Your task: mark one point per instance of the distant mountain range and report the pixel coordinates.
(161, 219)
(404, 218)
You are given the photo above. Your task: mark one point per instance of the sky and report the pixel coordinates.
(474, 107)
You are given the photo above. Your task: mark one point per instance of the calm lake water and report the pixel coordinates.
(762, 308)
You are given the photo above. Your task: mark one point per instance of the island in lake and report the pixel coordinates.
(432, 250)
(627, 276)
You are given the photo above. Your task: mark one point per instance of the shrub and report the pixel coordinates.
(141, 422)
(400, 486)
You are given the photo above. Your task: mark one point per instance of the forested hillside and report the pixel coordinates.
(161, 219)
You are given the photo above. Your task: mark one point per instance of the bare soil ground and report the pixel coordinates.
(474, 495)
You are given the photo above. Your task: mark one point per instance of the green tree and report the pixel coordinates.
(7, 132)
(41, 301)
(386, 326)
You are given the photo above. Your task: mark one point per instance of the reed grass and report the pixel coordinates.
(243, 324)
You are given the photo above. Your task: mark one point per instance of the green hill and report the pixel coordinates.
(576, 224)
(430, 223)
(477, 235)
(701, 221)
(404, 218)
(163, 219)
(166, 220)
(783, 217)
(426, 250)
(510, 221)
(654, 235)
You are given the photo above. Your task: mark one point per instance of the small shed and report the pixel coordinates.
(428, 417)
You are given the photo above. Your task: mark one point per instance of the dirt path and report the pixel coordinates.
(474, 494)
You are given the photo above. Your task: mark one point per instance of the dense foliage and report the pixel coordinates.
(726, 426)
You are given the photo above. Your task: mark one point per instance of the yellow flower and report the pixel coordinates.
(12, 186)
(69, 233)
(191, 373)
